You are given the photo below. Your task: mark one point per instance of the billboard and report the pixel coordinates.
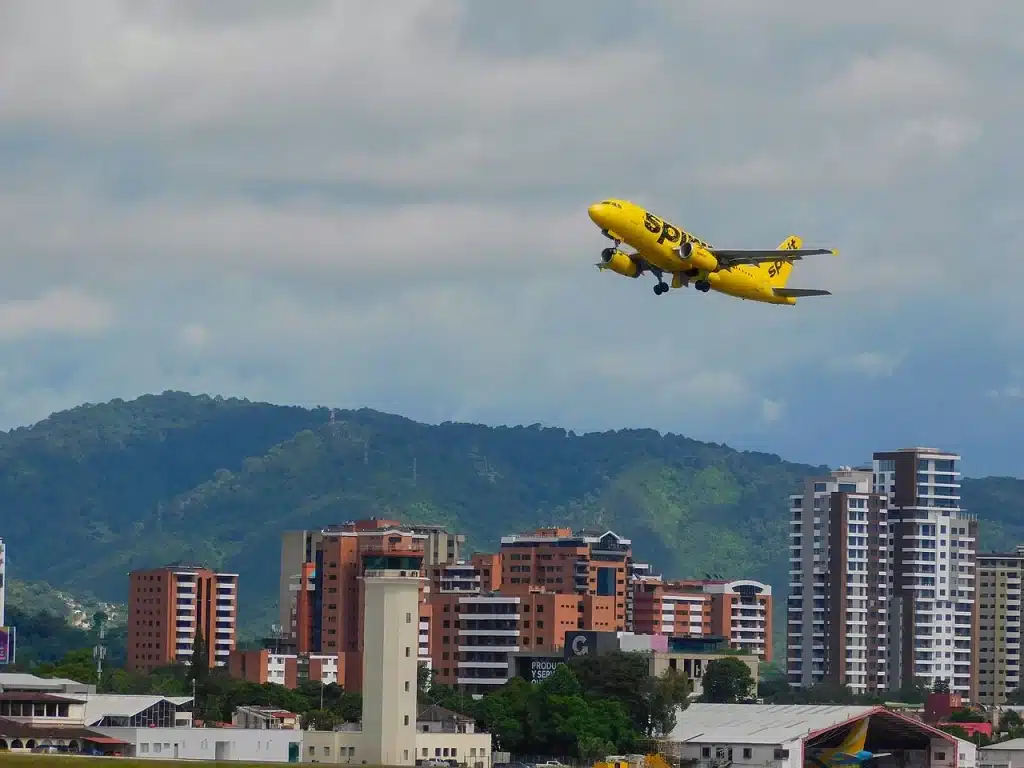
(536, 669)
(6, 645)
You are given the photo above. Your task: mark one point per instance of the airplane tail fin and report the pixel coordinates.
(854, 741)
(778, 271)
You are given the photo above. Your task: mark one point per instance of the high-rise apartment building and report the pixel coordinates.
(933, 627)
(482, 573)
(738, 611)
(840, 573)
(999, 625)
(475, 637)
(597, 565)
(299, 548)
(326, 600)
(169, 606)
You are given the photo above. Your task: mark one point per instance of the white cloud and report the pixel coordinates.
(869, 364)
(771, 410)
(194, 336)
(63, 310)
(364, 205)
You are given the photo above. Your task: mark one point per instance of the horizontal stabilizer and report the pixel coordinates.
(799, 292)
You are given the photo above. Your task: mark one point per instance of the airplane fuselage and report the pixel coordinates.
(658, 242)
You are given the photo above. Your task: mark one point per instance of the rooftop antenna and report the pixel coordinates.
(414, 472)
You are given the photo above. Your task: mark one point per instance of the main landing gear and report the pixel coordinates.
(702, 285)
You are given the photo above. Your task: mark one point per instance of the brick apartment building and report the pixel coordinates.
(474, 613)
(166, 607)
(740, 611)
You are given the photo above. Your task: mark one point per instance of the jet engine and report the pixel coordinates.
(698, 256)
(620, 263)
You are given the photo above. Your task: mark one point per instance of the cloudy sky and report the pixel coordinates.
(384, 204)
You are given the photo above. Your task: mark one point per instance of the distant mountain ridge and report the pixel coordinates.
(175, 476)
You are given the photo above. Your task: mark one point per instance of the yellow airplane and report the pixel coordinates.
(850, 752)
(661, 247)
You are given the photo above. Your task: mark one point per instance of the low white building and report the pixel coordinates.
(968, 757)
(440, 734)
(257, 745)
(1006, 754)
(785, 736)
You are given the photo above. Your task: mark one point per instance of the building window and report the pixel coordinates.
(407, 685)
(747, 753)
(406, 721)
(408, 618)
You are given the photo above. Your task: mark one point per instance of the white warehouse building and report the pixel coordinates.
(786, 736)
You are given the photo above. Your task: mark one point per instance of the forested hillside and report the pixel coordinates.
(95, 491)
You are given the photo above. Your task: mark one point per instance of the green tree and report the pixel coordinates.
(1010, 720)
(727, 681)
(967, 715)
(625, 677)
(200, 662)
(75, 665)
(941, 685)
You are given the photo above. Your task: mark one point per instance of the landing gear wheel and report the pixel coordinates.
(660, 288)
(702, 285)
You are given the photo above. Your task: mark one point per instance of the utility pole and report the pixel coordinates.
(414, 472)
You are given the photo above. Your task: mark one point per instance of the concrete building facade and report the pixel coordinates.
(168, 606)
(590, 564)
(999, 625)
(739, 610)
(475, 637)
(390, 670)
(840, 573)
(933, 615)
(322, 596)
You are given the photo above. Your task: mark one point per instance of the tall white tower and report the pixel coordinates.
(391, 599)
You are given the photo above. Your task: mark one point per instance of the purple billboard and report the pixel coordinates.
(6, 645)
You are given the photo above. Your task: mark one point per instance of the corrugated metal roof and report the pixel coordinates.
(1016, 745)
(100, 705)
(758, 723)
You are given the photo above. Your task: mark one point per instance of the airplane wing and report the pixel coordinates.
(731, 258)
(798, 292)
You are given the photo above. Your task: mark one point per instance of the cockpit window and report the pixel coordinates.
(611, 203)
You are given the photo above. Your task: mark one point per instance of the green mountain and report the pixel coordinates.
(211, 480)
(78, 610)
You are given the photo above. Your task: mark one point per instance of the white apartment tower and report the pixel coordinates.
(934, 608)
(390, 668)
(840, 574)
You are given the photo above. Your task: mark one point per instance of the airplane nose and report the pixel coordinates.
(597, 212)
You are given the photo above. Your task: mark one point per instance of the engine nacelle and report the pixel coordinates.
(698, 256)
(620, 263)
